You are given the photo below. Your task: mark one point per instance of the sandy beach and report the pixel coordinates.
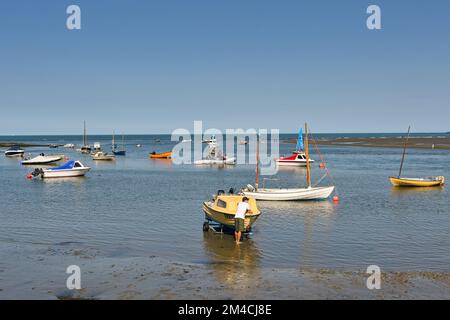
(155, 278)
(414, 142)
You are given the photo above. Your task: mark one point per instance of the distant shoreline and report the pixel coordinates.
(414, 142)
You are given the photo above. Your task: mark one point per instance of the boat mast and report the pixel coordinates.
(257, 162)
(404, 152)
(113, 141)
(123, 145)
(308, 169)
(84, 134)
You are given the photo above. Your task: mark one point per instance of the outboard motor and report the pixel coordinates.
(250, 188)
(37, 172)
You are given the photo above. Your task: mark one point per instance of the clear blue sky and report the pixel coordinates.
(153, 66)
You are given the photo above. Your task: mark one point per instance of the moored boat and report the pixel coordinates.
(103, 156)
(289, 194)
(298, 157)
(85, 148)
(417, 182)
(14, 151)
(42, 159)
(164, 155)
(69, 169)
(399, 181)
(222, 210)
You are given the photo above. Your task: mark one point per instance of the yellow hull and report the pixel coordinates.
(410, 182)
(223, 209)
(227, 219)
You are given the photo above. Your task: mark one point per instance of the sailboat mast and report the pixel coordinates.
(257, 162)
(113, 141)
(308, 167)
(404, 152)
(84, 133)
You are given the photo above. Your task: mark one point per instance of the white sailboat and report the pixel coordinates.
(215, 157)
(288, 194)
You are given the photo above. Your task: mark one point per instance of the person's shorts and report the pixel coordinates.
(239, 224)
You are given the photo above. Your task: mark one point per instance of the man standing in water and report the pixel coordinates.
(242, 209)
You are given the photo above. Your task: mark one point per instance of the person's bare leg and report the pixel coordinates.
(238, 237)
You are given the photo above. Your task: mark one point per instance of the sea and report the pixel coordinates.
(136, 207)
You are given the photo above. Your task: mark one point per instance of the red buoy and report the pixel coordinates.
(322, 165)
(29, 176)
(336, 199)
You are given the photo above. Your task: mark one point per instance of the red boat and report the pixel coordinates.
(298, 159)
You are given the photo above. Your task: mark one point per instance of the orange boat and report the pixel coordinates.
(166, 155)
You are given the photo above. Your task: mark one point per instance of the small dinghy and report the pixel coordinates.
(69, 169)
(42, 159)
(165, 155)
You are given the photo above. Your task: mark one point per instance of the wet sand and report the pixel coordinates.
(417, 143)
(156, 278)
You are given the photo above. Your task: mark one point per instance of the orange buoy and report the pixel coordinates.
(336, 199)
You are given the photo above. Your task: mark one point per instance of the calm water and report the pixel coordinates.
(139, 207)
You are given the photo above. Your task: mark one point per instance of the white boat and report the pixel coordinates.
(69, 146)
(215, 157)
(43, 159)
(14, 151)
(210, 140)
(288, 194)
(213, 161)
(100, 155)
(298, 157)
(69, 169)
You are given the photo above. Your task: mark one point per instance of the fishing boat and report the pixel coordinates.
(69, 169)
(114, 147)
(103, 156)
(298, 157)
(85, 148)
(400, 181)
(42, 159)
(222, 208)
(14, 151)
(288, 194)
(165, 155)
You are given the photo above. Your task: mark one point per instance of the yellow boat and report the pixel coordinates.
(418, 182)
(165, 155)
(223, 208)
(414, 182)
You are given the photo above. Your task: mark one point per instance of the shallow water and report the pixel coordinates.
(137, 207)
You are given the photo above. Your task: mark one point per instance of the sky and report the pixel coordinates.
(154, 66)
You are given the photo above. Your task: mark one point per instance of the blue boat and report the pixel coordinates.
(114, 146)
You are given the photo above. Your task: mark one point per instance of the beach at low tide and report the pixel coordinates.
(135, 229)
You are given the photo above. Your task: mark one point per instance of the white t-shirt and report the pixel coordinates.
(242, 210)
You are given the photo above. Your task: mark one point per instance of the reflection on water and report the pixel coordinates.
(73, 180)
(405, 191)
(232, 264)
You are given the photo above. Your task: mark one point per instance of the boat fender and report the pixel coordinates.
(250, 188)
